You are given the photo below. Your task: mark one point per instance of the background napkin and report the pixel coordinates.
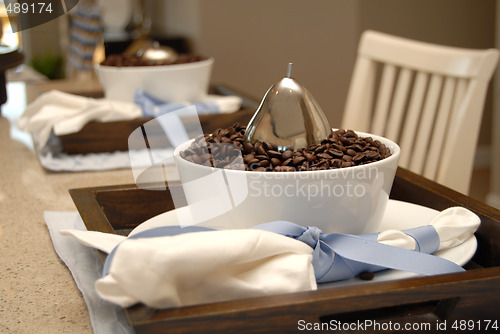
(56, 113)
(67, 113)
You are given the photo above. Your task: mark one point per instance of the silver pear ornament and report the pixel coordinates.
(288, 117)
(157, 53)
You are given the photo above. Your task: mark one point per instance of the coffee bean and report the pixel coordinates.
(371, 155)
(346, 157)
(336, 163)
(248, 158)
(345, 141)
(358, 157)
(264, 163)
(350, 134)
(309, 157)
(287, 154)
(274, 154)
(298, 160)
(324, 164)
(358, 147)
(261, 150)
(312, 148)
(275, 161)
(366, 276)
(323, 155)
(248, 147)
(320, 149)
(268, 146)
(347, 164)
(336, 153)
(351, 152)
(338, 146)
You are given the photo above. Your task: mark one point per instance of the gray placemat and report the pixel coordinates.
(86, 267)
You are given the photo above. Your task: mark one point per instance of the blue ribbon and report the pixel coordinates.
(153, 107)
(338, 256)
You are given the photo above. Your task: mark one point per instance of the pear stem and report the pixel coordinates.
(289, 72)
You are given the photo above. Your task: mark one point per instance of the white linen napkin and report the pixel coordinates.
(201, 267)
(67, 113)
(453, 225)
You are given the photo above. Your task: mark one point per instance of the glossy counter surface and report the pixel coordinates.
(37, 292)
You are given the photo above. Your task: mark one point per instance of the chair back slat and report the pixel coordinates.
(440, 129)
(399, 101)
(384, 99)
(412, 117)
(461, 139)
(422, 138)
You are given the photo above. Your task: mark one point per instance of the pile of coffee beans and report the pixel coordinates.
(343, 148)
(121, 60)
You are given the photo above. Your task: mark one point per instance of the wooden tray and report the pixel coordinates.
(472, 295)
(99, 137)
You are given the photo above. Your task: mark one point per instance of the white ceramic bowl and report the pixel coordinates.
(177, 82)
(345, 200)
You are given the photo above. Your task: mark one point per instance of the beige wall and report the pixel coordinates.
(45, 39)
(252, 41)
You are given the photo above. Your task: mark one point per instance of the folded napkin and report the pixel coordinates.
(210, 104)
(175, 266)
(67, 113)
(200, 267)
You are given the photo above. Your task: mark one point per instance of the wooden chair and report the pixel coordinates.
(428, 98)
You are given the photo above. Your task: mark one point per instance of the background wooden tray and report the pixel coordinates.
(472, 295)
(99, 137)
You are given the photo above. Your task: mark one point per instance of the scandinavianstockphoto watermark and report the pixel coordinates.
(352, 173)
(308, 191)
(345, 182)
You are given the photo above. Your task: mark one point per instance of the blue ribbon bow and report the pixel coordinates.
(338, 256)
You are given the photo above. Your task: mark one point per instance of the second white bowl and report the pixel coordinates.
(177, 83)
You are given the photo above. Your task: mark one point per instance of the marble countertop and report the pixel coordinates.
(37, 292)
